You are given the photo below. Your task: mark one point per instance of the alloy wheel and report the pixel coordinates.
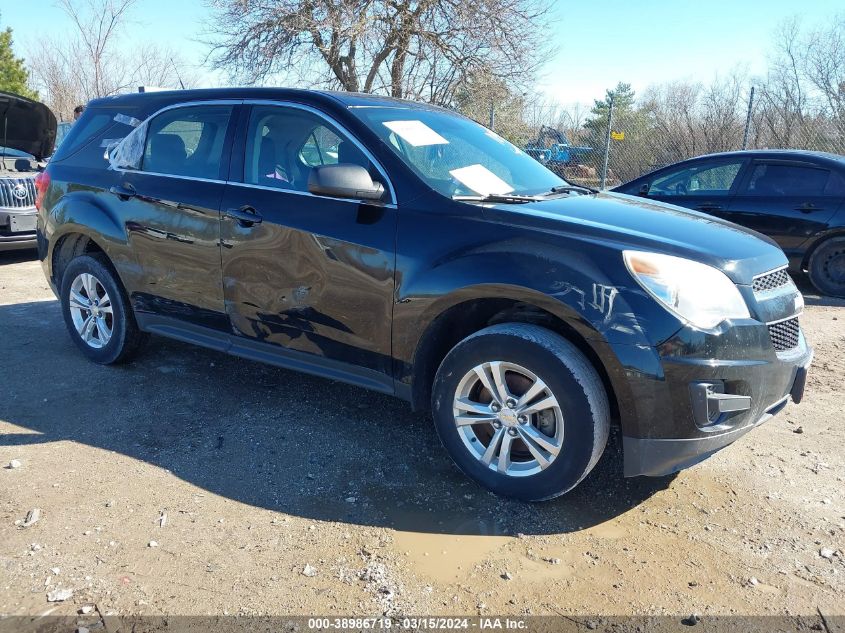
(508, 418)
(91, 310)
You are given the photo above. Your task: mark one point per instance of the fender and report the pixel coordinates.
(615, 321)
(599, 305)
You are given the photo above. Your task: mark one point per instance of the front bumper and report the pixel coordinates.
(741, 362)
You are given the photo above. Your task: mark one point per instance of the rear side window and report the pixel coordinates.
(770, 179)
(187, 142)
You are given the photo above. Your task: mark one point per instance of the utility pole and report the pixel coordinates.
(607, 143)
(748, 119)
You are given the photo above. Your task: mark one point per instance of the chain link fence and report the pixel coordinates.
(647, 135)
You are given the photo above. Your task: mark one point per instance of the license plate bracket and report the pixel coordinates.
(22, 223)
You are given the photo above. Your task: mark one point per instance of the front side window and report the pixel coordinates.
(455, 155)
(708, 179)
(320, 148)
(187, 142)
(284, 144)
(772, 179)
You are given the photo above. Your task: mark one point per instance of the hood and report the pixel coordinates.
(629, 222)
(26, 125)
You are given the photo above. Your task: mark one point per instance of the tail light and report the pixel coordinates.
(42, 183)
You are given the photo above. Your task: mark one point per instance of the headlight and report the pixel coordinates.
(696, 292)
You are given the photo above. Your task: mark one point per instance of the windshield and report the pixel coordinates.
(456, 156)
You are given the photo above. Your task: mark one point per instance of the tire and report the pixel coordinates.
(827, 267)
(111, 335)
(575, 421)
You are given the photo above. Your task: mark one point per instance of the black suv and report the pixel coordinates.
(406, 249)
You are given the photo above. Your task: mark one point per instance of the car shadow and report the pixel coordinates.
(812, 297)
(18, 256)
(272, 438)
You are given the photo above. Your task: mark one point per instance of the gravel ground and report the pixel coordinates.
(189, 482)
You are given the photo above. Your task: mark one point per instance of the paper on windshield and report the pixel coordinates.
(416, 133)
(481, 180)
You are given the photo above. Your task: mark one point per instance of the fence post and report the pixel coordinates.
(607, 143)
(492, 116)
(748, 119)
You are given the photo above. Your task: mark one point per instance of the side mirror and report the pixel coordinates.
(644, 189)
(344, 180)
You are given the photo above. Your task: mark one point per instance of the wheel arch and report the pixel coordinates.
(817, 241)
(81, 223)
(464, 314)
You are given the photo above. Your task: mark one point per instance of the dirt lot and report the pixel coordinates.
(189, 482)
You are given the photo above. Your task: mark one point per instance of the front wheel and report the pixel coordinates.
(521, 410)
(827, 267)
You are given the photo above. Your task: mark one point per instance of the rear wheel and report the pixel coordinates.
(96, 312)
(521, 410)
(827, 267)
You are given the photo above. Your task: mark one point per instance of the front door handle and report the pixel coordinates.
(245, 215)
(708, 207)
(808, 207)
(124, 191)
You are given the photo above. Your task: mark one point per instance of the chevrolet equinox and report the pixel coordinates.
(404, 248)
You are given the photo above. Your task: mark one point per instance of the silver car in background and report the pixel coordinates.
(27, 137)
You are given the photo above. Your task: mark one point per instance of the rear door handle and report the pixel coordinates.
(124, 191)
(245, 215)
(708, 207)
(808, 207)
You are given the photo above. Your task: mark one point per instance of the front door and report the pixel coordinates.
(789, 201)
(308, 275)
(171, 206)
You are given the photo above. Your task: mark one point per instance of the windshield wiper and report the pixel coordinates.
(508, 198)
(573, 189)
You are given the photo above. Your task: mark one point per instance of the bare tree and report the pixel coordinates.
(824, 66)
(91, 63)
(424, 49)
(783, 97)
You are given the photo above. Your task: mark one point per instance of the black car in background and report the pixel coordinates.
(406, 249)
(797, 198)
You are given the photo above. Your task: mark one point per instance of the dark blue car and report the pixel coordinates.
(795, 197)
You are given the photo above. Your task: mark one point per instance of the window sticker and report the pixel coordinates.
(127, 120)
(481, 180)
(416, 133)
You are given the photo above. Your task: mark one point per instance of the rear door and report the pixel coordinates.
(302, 273)
(171, 206)
(705, 185)
(787, 200)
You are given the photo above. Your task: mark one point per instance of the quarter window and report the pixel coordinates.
(708, 179)
(187, 142)
(770, 179)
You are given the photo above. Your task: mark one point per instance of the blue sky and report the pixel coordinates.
(600, 42)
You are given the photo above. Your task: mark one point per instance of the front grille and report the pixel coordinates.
(17, 193)
(770, 281)
(784, 334)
